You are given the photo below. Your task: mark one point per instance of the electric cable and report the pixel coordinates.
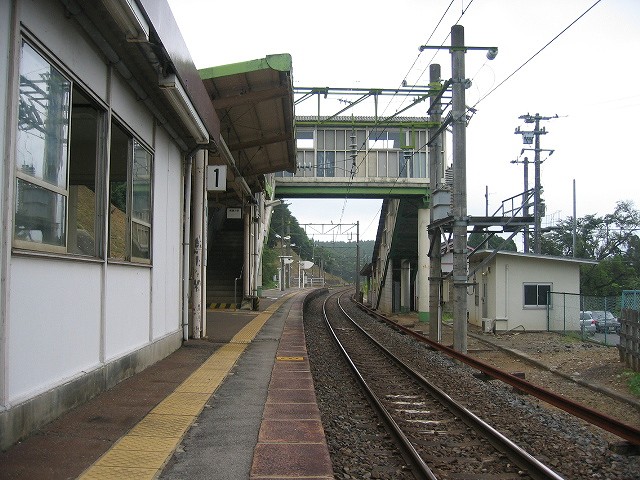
(537, 53)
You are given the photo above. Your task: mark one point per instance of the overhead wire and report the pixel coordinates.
(408, 157)
(464, 10)
(537, 53)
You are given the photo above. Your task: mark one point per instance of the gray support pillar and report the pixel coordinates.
(459, 190)
(435, 176)
(405, 286)
(197, 229)
(424, 264)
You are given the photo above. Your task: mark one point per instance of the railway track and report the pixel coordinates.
(618, 428)
(440, 438)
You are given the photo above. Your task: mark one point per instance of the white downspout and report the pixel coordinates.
(185, 247)
(247, 251)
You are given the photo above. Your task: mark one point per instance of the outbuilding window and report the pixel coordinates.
(536, 295)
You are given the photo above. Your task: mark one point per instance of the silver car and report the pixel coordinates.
(587, 323)
(606, 321)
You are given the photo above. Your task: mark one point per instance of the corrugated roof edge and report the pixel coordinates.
(483, 253)
(280, 62)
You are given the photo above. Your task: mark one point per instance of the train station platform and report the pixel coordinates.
(239, 404)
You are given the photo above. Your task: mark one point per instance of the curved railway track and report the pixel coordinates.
(620, 429)
(440, 438)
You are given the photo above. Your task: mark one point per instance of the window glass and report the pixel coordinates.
(326, 164)
(341, 143)
(43, 119)
(131, 199)
(41, 153)
(543, 293)
(40, 214)
(141, 204)
(393, 164)
(382, 164)
(341, 166)
(304, 139)
(530, 294)
(536, 295)
(118, 195)
(84, 197)
(330, 139)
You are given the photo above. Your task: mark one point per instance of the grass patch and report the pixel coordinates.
(572, 337)
(633, 381)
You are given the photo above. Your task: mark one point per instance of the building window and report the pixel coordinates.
(304, 139)
(536, 295)
(57, 156)
(384, 139)
(326, 165)
(130, 198)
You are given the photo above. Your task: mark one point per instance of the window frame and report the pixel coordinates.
(537, 306)
(132, 222)
(76, 88)
(101, 176)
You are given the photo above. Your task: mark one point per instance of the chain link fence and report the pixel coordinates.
(589, 317)
(630, 332)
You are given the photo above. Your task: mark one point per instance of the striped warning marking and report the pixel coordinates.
(220, 306)
(146, 448)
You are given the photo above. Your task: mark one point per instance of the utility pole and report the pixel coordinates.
(460, 220)
(525, 199)
(358, 261)
(435, 169)
(527, 138)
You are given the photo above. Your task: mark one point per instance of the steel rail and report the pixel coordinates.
(601, 420)
(517, 454)
(411, 454)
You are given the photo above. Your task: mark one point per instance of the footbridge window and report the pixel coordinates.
(383, 152)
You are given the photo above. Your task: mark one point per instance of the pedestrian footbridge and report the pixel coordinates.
(357, 157)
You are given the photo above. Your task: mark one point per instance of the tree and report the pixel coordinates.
(495, 241)
(611, 239)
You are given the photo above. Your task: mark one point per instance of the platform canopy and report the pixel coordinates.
(254, 101)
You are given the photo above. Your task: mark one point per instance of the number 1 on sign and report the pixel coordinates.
(216, 178)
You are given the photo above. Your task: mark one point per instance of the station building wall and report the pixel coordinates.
(72, 325)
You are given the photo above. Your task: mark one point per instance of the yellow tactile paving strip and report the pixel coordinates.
(143, 452)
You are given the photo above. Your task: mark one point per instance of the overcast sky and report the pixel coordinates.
(588, 77)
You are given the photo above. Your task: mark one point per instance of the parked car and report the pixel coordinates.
(606, 321)
(587, 323)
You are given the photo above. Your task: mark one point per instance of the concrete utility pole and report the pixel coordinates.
(537, 213)
(358, 261)
(525, 210)
(460, 220)
(435, 169)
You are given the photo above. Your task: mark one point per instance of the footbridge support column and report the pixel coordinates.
(424, 218)
(405, 286)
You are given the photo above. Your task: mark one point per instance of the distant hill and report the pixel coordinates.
(337, 258)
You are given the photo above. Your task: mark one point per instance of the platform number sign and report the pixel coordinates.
(216, 178)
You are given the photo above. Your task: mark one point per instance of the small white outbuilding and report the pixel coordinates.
(511, 289)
